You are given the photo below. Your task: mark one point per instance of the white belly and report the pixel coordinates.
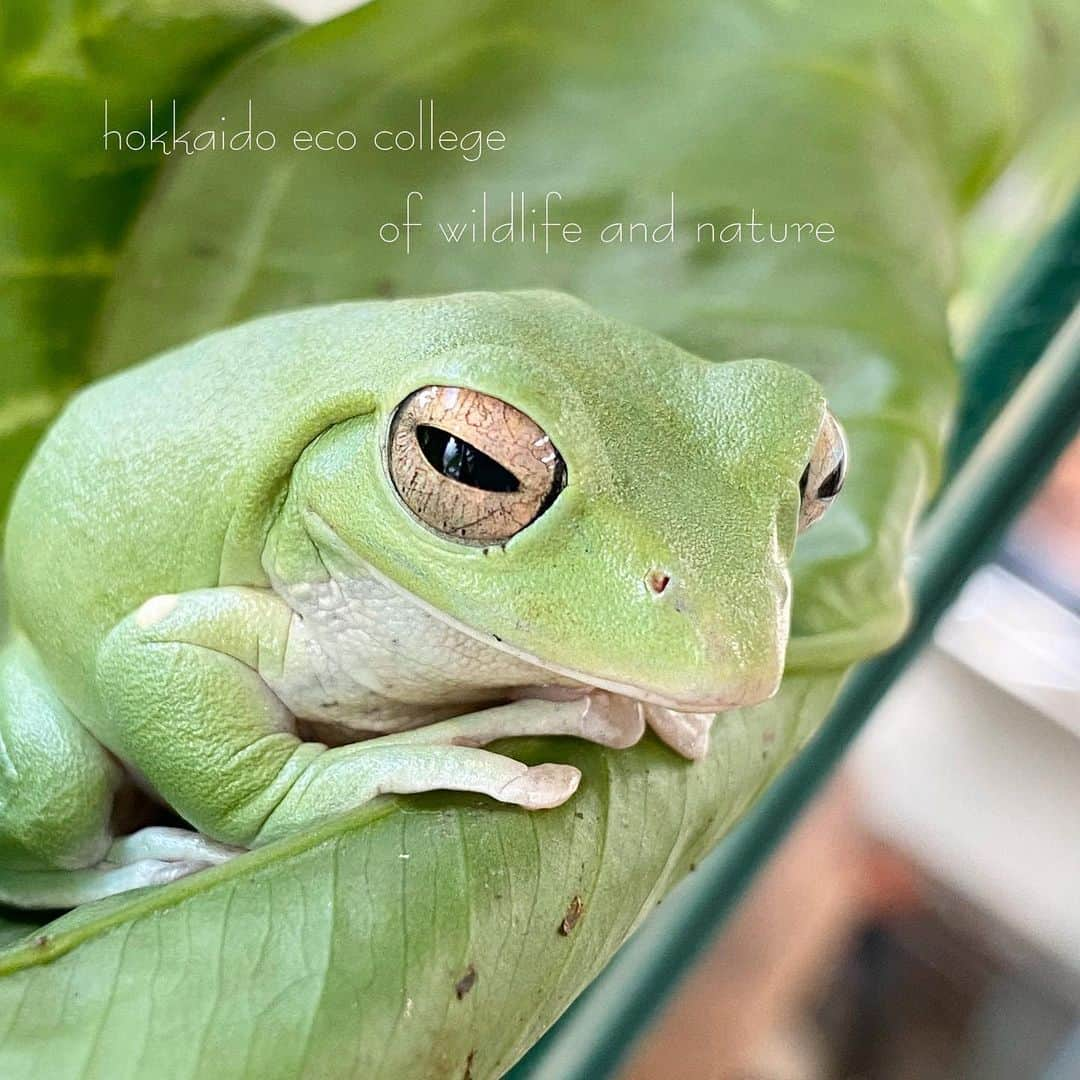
(363, 658)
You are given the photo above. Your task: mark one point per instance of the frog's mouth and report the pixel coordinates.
(584, 681)
(570, 681)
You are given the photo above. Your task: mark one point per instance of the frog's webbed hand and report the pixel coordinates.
(187, 706)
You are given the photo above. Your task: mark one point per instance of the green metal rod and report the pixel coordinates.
(960, 534)
(1014, 334)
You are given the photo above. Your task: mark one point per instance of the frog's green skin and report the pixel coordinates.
(208, 568)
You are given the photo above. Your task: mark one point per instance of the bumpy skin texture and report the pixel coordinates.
(216, 589)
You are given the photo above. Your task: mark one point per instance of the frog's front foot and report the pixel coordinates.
(152, 856)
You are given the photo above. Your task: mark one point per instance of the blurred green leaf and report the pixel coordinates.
(64, 200)
(344, 952)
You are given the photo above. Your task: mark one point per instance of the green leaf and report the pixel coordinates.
(342, 952)
(421, 937)
(64, 200)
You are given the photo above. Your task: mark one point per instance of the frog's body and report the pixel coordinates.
(212, 564)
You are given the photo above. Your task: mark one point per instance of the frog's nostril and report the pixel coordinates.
(658, 581)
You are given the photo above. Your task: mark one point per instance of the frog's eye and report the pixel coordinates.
(471, 467)
(823, 476)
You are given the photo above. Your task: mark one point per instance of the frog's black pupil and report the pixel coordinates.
(457, 459)
(831, 485)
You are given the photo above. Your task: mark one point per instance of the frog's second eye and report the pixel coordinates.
(471, 467)
(824, 474)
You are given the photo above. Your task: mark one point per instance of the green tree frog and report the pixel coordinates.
(333, 554)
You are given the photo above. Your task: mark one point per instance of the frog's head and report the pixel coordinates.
(580, 493)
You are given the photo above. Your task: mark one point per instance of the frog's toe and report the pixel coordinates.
(146, 872)
(169, 845)
(686, 733)
(70, 888)
(542, 787)
(612, 720)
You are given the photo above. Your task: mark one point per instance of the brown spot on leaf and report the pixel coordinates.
(465, 983)
(468, 1065)
(572, 916)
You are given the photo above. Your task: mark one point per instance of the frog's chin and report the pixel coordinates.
(582, 682)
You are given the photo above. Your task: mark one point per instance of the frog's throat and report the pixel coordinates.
(323, 536)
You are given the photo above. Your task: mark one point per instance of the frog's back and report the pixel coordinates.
(161, 479)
